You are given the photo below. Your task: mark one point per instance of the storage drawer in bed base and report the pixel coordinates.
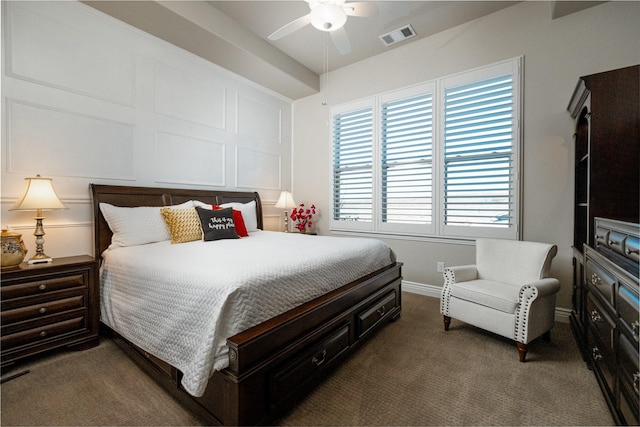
(306, 367)
(379, 311)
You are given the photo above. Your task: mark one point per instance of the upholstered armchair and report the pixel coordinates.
(507, 291)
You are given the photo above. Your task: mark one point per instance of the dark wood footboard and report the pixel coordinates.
(290, 354)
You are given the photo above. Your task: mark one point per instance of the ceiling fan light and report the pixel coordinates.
(327, 17)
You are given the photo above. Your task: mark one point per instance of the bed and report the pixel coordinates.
(263, 366)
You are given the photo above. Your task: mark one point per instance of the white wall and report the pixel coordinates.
(556, 53)
(86, 98)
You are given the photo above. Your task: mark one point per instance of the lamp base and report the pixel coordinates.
(286, 221)
(39, 259)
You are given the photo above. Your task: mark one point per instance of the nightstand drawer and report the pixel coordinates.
(43, 309)
(46, 285)
(43, 333)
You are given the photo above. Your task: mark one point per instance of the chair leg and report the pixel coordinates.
(522, 352)
(447, 322)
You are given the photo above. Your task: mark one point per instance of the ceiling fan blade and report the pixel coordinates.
(361, 8)
(341, 41)
(292, 26)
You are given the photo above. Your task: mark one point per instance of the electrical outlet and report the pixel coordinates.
(440, 266)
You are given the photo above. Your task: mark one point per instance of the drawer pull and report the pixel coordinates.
(381, 311)
(630, 251)
(43, 334)
(42, 310)
(595, 280)
(42, 287)
(595, 353)
(319, 361)
(636, 382)
(595, 316)
(635, 327)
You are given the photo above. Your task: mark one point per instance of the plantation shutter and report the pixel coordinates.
(353, 166)
(479, 154)
(406, 160)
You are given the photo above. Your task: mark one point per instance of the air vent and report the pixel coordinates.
(398, 35)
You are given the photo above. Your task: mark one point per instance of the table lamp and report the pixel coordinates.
(286, 202)
(38, 196)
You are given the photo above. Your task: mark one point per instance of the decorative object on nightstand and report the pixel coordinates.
(13, 249)
(49, 305)
(286, 202)
(303, 216)
(38, 196)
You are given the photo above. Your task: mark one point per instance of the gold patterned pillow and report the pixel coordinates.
(184, 224)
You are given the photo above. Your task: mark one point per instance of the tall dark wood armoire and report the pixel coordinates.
(606, 110)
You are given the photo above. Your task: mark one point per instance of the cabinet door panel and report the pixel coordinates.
(628, 310)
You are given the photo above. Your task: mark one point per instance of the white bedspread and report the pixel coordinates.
(181, 302)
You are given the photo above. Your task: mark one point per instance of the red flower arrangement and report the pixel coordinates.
(303, 217)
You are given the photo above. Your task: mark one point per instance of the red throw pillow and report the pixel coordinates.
(238, 220)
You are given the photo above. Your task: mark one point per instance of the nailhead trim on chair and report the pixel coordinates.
(449, 279)
(528, 294)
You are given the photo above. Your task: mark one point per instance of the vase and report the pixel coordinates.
(13, 249)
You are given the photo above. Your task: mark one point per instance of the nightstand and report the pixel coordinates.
(47, 306)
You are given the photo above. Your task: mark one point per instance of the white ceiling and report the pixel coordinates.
(234, 34)
(307, 45)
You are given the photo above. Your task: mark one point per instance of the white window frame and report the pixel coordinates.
(437, 229)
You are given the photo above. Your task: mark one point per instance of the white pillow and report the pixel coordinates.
(199, 204)
(248, 211)
(137, 226)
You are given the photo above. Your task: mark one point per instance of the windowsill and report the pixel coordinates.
(395, 236)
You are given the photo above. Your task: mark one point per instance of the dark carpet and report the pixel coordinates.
(411, 373)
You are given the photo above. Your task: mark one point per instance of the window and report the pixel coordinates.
(439, 159)
(406, 160)
(353, 167)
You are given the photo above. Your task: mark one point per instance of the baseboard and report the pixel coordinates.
(421, 289)
(562, 314)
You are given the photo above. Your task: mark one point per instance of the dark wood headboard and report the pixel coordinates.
(151, 196)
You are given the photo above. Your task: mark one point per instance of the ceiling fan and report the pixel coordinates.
(329, 16)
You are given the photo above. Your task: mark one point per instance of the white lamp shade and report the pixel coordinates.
(285, 201)
(38, 195)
